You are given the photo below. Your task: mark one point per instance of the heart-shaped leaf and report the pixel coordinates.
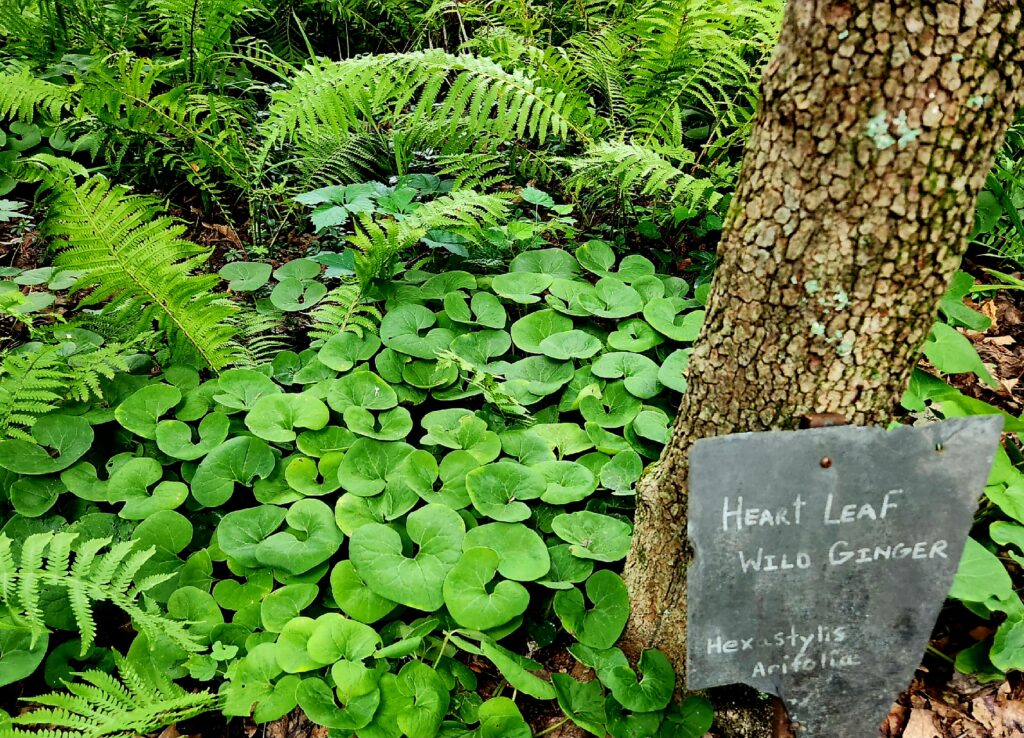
(239, 533)
(622, 471)
(282, 605)
(566, 481)
(634, 335)
(593, 535)
(529, 331)
(600, 626)
(497, 489)
(666, 315)
(572, 344)
(611, 298)
(239, 389)
(407, 329)
(343, 351)
(566, 569)
(130, 477)
(425, 698)
(354, 598)
(521, 287)
(522, 555)
(555, 262)
(310, 539)
(141, 411)
(245, 276)
(361, 389)
(238, 460)
(639, 374)
(386, 425)
(613, 408)
(473, 601)
(300, 269)
(174, 438)
(672, 373)
(314, 478)
(652, 691)
(68, 436)
(582, 702)
(369, 464)
(292, 295)
(418, 582)
(480, 347)
(275, 417)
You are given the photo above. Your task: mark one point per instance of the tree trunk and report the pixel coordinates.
(878, 125)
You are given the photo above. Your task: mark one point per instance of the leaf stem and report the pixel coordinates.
(551, 728)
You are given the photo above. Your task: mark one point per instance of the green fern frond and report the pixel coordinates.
(261, 336)
(378, 244)
(481, 171)
(32, 383)
(621, 170)
(329, 157)
(464, 209)
(87, 369)
(470, 95)
(22, 96)
(199, 28)
(699, 54)
(130, 255)
(46, 562)
(99, 705)
(343, 309)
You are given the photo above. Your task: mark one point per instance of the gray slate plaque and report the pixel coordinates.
(822, 558)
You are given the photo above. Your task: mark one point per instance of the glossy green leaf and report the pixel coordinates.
(593, 535)
(602, 624)
(522, 555)
(473, 600)
(376, 553)
(497, 490)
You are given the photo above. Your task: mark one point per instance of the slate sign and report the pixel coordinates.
(822, 558)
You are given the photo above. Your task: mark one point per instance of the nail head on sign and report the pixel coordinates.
(841, 576)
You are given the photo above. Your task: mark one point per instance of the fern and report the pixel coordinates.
(698, 53)
(260, 336)
(87, 369)
(377, 245)
(32, 383)
(470, 95)
(199, 28)
(46, 561)
(23, 95)
(628, 170)
(100, 705)
(343, 309)
(130, 255)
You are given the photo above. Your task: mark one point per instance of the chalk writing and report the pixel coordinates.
(820, 582)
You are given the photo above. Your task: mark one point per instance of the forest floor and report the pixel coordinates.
(940, 703)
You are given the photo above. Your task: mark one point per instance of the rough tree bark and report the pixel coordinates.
(878, 124)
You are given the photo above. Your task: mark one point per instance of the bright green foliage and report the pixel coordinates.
(333, 482)
(137, 263)
(99, 705)
(349, 521)
(90, 576)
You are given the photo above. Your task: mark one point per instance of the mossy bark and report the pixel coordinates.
(878, 125)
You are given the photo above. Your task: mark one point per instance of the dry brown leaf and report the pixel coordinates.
(171, 731)
(921, 725)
